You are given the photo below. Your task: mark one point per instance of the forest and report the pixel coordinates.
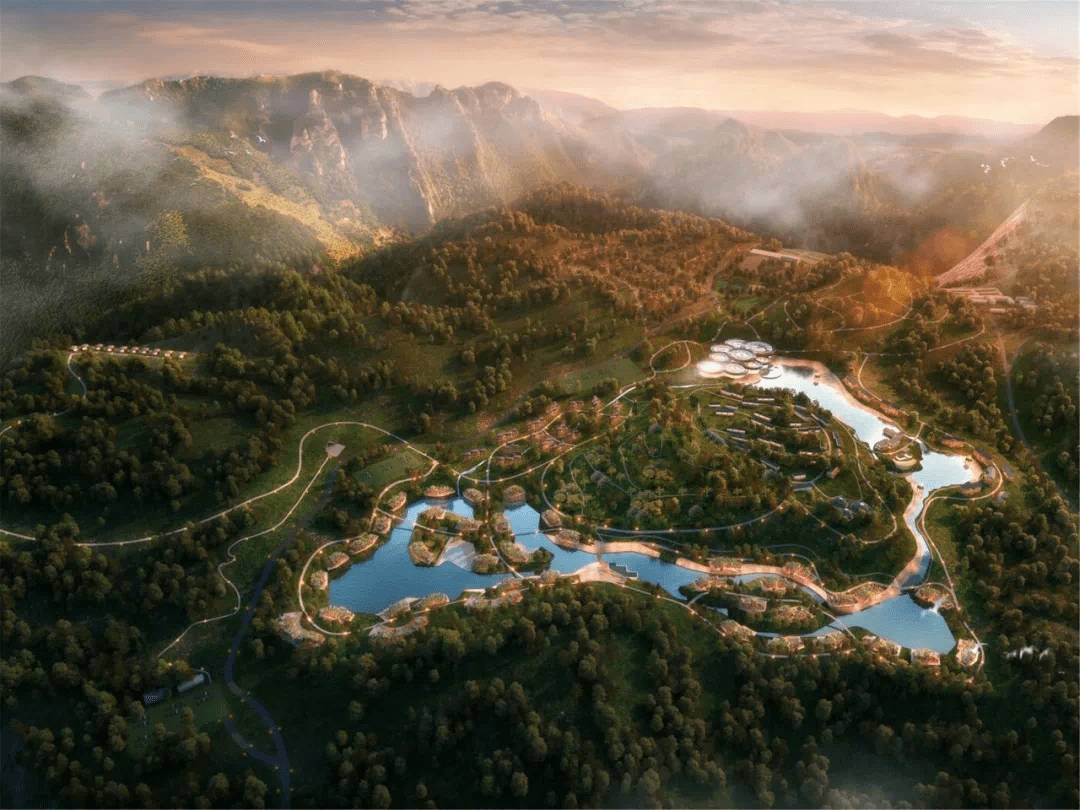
(579, 695)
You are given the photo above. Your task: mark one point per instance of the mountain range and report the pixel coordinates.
(343, 158)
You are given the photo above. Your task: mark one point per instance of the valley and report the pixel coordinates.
(465, 484)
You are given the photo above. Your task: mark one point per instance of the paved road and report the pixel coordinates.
(280, 760)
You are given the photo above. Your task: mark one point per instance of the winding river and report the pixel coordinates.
(389, 574)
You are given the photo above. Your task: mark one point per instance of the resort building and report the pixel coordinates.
(740, 631)
(926, 657)
(336, 613)
(158, 695)
(199, 679)
(336, 560)
(752, 604)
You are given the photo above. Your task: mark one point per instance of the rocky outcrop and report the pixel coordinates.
(317, 148)
(411, 160)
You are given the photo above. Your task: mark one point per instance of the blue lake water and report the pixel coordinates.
(525, 521)
(903, 620)
(389, 574)
(900, 619)
(829, 393)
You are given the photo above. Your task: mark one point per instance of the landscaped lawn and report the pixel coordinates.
(209, 704)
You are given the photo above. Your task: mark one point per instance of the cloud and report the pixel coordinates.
(746, 53)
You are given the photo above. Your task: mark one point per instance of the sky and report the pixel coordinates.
(1008, 60)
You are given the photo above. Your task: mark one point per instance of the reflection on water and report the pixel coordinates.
(898, 618)
(650, 569)
(902, 620)
(389, 574)
(868, 425)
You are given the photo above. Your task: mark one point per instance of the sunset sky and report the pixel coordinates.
(1014, 60)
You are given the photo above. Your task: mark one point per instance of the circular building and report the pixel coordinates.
(741, 355)
(710, 368)
(720, 357)
(759, 347)
(735, 343)
(753, 365)
(719, 347)
(734, 369)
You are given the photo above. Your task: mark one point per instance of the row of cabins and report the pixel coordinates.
(506, 460)
(138, 350)
(158, 695)
(786, 644)
(993, 297)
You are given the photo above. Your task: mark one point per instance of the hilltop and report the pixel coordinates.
(171, 175)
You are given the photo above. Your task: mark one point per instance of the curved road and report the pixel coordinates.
(280, 760)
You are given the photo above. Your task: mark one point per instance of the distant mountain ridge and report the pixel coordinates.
(372, 157)
(412, 160)
(830, 122)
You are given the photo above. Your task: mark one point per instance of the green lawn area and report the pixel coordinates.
(217, 432)
(209, 703)
(622, 369)
(401, 465)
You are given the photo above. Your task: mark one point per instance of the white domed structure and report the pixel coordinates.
(710, 368)
(735, 343)
(720, 357)
(741, 355)
(759, 347)
(734, 369)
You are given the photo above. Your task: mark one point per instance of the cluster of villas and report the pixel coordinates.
(761, 412)
(850, 509)
(543, 435)
(137, 350)
(164, 693)
(967, 651)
